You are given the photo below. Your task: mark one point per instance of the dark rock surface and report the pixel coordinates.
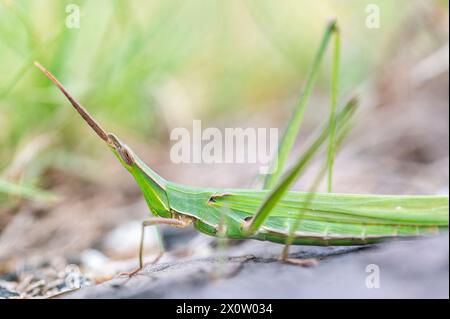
(5, 293)
(408, 269)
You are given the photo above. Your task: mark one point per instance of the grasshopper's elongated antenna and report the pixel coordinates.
(80, 109)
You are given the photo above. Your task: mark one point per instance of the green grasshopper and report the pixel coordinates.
(275, 213)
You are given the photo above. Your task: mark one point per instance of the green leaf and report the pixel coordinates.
(334, 101)
(293, 127)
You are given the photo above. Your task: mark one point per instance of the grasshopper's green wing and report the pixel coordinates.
(341, 218)
(328, 219)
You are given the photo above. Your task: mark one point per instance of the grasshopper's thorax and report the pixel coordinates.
(152, 186)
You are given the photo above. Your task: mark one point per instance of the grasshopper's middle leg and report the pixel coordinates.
(152, 222)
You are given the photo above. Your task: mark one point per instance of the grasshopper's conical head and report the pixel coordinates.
(126, 155)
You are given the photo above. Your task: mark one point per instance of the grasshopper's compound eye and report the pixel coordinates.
(123, 150)
(126, 155)
(113, 141)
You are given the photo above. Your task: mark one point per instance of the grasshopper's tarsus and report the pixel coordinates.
(303, 262)
(134, 272)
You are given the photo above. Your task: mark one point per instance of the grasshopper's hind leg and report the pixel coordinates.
(152, 222)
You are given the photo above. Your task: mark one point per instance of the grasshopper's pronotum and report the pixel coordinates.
(276, 214)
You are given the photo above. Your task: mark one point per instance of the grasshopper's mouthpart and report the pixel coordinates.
(80, 109)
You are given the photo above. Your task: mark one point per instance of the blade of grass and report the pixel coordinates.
(295, 122)
(343, 133)
(334, 99)
(277, 193)
(25, 191)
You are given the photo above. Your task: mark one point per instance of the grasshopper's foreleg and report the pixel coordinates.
(152, 222)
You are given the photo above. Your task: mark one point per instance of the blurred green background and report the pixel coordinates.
(143, 67)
